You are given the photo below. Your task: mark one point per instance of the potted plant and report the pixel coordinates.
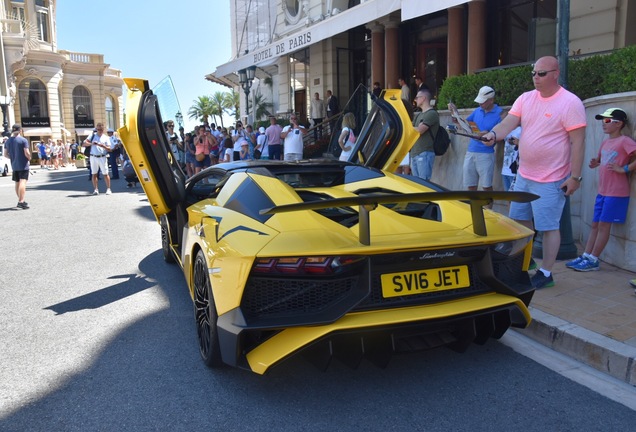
(80, 161)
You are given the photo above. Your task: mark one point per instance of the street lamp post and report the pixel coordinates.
(246, 76)
(179, 118)
(4, 104)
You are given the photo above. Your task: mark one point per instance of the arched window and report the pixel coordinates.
(33, 99)
(82, 107)
(110, 113)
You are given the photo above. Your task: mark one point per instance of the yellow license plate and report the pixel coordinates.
(423, 281)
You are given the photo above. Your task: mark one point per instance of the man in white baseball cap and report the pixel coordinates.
(479, 162)
(485, 93)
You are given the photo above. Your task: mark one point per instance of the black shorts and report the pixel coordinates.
(20, 175)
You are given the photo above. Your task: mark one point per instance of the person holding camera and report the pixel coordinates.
(238, 137)
(203, 143)
(99, 145)
(293, 135)
(175, 142)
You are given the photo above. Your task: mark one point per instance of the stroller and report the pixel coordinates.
(129, 173)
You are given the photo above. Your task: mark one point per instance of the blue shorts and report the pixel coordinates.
(202, 164)
(507, 181)
(610, 209)
(422, 165)
(547, 209)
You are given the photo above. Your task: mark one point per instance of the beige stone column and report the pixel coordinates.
(391, 50)
(476, 35)
(455, 41)
(377, 54)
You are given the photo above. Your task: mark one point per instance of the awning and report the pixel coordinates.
(417, 8)
(82, 132)
(224, 80)
(37, 131)
(66, 132)
(358, 15)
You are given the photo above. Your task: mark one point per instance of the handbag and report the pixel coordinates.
(200, 157)
(257, 152)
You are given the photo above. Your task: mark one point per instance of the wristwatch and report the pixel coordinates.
(578, 179)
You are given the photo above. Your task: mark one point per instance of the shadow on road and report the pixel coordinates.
(131, 284)
(149, 377)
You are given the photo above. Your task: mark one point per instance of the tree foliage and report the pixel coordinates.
(201, 109)
(587, 77)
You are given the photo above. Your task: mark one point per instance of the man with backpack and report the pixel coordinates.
(426, 123)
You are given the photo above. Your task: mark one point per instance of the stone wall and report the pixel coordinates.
(621, 248)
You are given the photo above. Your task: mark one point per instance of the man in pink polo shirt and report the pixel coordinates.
(551, 151)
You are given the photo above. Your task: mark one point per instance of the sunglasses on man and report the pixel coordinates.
(608, 120)
(542, 73)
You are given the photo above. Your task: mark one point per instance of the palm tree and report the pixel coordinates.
(262, 106)
(218, 105)
(232, 104)
(201, 109)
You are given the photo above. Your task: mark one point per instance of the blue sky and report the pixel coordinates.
(185, 39)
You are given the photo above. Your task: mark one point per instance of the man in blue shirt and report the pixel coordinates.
(17, 149)
(479, 163)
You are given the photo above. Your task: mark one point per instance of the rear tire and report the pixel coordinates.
(168, 255)
(5, 171)
(205, 315)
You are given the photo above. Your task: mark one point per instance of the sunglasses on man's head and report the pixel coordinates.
(542, 73)
(608, 120)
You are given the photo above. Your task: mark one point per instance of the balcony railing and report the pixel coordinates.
(78, 57)
(11, 27)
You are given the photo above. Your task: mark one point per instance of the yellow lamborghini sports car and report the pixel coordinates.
(330, 258)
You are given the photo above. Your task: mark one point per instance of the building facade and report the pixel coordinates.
(52, 93)
(300, 47)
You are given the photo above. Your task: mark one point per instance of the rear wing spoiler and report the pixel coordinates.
(476, 199)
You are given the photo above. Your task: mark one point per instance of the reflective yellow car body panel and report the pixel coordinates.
(130, 137)
(409, 134)
(290, 340)
(231, 261)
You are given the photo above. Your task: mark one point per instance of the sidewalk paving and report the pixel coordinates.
(589, 316)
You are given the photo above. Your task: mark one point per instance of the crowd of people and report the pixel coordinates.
(209, 144)
(57, 154)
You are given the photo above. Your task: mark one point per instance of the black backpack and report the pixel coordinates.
(441, 141)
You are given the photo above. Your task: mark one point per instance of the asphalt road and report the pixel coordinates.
(97, 334)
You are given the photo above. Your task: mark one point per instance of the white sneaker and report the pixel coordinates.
(95, 192)
(108, 192)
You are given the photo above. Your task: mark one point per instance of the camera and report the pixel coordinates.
(200, 140)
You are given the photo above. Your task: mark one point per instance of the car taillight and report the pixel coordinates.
(316, 265)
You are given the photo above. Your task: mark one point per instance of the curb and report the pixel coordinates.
(600, 352)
